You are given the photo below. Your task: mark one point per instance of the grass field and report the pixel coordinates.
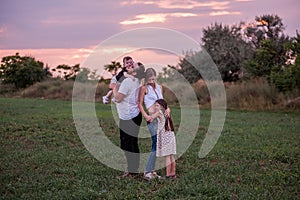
(42, 157)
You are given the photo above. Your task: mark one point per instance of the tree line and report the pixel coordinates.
(245, 51)
(242, 51)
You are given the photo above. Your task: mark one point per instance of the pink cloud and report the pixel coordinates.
(188, 4)
(155, 18)
(3, 31)
(219, 13)
(244, 0)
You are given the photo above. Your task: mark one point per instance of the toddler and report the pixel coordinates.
(117, 79)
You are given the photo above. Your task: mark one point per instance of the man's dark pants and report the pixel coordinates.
(129, 130)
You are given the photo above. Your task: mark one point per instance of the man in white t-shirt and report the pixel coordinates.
(126, 99)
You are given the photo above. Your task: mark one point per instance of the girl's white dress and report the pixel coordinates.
(166, 142)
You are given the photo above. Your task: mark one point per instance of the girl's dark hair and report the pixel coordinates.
(140, 72)
(169, 122)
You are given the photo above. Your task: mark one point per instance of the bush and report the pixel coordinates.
(201, 92)
(62, 89)
(7, 90)
(255, 94)
(101, 90)
(50, 89)
(287, 78)
(169, 96)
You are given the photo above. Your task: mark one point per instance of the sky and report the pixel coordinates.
(67, 32)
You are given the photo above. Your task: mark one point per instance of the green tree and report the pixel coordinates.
(270, 42)
(187, 68)
(94, 76)
(193, 66)
(287, 77)
(69, 72)
(113, 67)
(167, 74)
(22, 71)
(83, 75)
(228, 49)
(265, 27)
(270, 54)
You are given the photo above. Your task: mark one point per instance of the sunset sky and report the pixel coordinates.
(66, 31)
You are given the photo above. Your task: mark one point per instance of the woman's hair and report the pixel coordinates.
(149, 73)
(140, 71)
(169, 122)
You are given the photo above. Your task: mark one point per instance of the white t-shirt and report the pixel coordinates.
(113, 79)
(128, 107)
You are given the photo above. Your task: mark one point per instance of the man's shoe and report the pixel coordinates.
(125, 175)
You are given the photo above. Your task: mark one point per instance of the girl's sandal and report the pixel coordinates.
(171, 177)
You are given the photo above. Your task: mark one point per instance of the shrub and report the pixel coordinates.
(202, 92)
(7, 90)
(255, 94)
(287, 78)
(50, 89)
(101, 90)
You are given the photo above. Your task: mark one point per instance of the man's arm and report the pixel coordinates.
(118, 96)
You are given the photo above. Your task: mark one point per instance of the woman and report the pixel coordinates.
(148, 95)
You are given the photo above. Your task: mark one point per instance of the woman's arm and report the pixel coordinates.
(155, 115)
(168, 110)
(158, 114)
(142, 92)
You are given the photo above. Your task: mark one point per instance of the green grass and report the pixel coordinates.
(42, 157)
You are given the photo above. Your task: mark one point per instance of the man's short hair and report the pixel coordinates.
(126, 58)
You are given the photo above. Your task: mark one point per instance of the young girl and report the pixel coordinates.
(117, 79)
(166, 143)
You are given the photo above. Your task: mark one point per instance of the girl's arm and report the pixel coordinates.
(155, 115)
(142, 93)
(168, 110)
